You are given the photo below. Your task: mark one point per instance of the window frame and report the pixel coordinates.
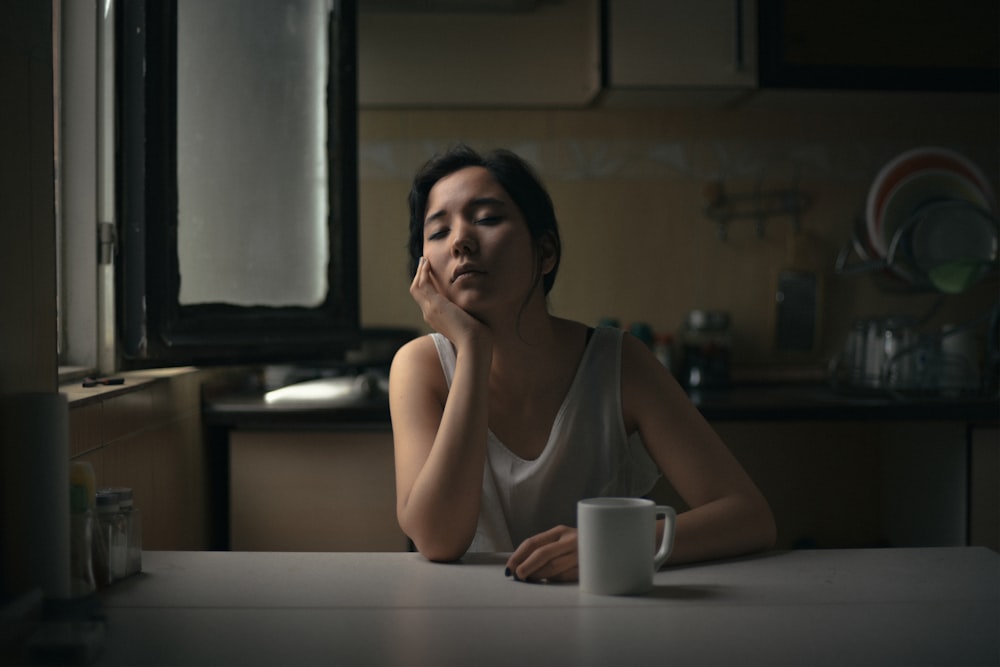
(154, 328)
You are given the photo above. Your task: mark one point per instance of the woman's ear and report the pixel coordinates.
(547, 253)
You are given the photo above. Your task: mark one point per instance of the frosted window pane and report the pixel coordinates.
(251, 152)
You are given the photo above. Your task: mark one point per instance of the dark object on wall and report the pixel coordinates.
(796, 297)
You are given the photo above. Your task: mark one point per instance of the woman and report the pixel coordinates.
(507, 415)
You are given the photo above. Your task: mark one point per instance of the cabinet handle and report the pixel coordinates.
(738, 35)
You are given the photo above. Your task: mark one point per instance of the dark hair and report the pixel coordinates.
(513, 174)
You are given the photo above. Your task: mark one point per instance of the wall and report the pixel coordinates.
(27, 257)
(628, 186)
(27, 214)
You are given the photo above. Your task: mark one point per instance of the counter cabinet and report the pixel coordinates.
(312, 490)
(848, 484)
(839, 471)
(830, 484)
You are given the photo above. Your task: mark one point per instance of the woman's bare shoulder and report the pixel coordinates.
(415, 362)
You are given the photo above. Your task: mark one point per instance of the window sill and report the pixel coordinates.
(71, 374)
(78, 395)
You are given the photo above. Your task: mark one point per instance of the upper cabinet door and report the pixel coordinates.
(478, 54)
(681, 43)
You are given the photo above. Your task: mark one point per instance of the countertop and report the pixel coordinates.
(821, 402)
(251, 411)
(750, 402)
(816, 607)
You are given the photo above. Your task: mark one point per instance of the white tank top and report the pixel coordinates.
(588, 454)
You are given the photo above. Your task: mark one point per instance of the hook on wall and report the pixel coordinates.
(757, 206)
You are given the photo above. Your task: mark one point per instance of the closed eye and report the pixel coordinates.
(439, 234)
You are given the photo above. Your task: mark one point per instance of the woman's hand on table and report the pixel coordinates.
(548, 556)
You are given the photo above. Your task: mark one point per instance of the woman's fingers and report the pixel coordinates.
(425, 292)
(549, 556)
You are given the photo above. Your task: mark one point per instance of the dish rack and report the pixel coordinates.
(895, 357)
(899, 271)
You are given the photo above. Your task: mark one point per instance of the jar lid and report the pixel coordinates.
(124, 492)
(107, 500)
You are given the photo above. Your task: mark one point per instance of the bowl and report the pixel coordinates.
(902, 168)
(914, 194)
(952, 244)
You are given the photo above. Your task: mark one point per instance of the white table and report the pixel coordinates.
(838, 607)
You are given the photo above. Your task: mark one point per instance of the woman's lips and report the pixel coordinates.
(465, 272)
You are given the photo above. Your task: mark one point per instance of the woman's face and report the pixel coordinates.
(478, 244)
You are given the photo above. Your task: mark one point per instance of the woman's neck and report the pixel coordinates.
(527, 354)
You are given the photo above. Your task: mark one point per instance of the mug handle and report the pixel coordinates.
(667, 543)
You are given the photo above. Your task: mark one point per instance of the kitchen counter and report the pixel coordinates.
(251, 411)
(819, 402)
(822, 607)
(763, 402)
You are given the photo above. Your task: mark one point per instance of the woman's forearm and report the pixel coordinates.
(442, 510)
(729, 526)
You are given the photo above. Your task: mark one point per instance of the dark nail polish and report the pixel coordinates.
(506, 572)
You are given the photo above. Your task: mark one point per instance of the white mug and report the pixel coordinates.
(616, 539)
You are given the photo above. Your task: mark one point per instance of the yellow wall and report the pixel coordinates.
(628, 187)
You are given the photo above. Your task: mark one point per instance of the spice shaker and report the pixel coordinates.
(81, 525)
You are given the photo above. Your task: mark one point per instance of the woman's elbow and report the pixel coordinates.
(435, 545)
(438, 554)
(440, 550)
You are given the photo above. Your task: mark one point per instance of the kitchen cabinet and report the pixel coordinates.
(840, 471)
(677, 51)
(312, 490)
(476, 55)
(849, 483)
(678, 43)
(984, 487)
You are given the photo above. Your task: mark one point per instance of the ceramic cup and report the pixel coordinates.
(617, 544)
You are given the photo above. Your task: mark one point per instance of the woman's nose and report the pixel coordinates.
(464, 240)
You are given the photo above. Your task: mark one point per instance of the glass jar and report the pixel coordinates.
(110, 542)
(706, 341)
(132, 525)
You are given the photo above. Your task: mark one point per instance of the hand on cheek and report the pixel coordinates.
(439, 311)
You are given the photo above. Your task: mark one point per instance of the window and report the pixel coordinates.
(236, 181)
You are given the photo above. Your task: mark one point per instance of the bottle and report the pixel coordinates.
(81, 526)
